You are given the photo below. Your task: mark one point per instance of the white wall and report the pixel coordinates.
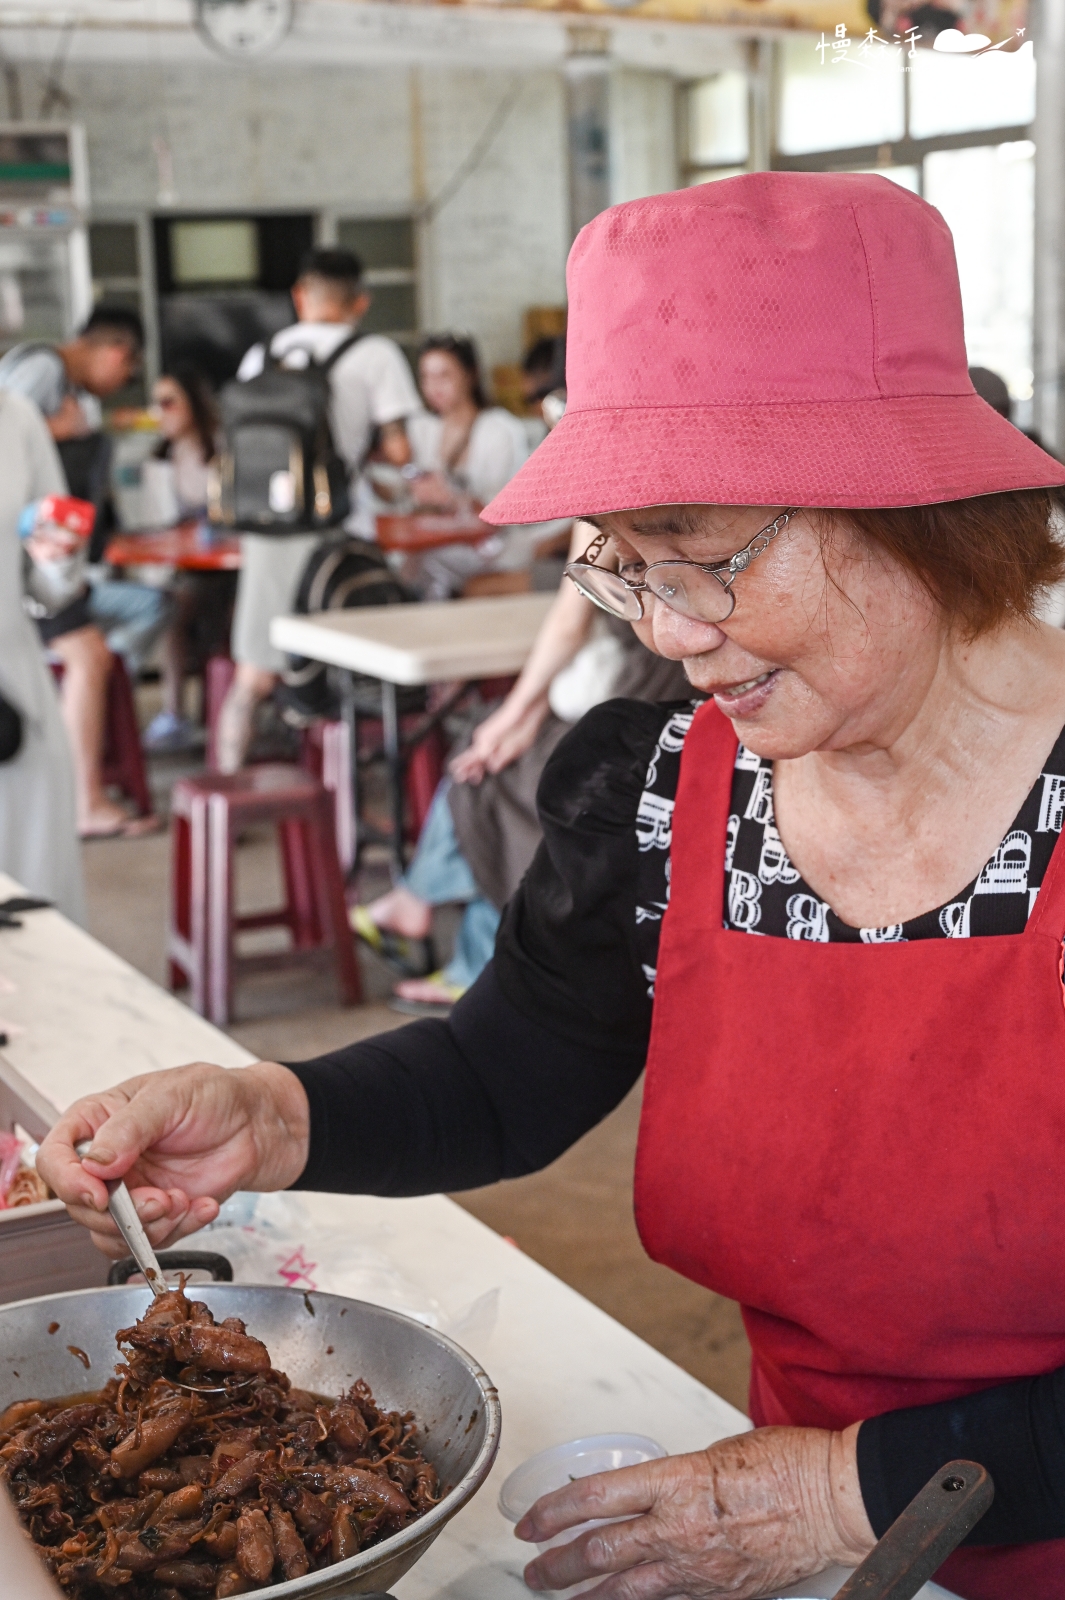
(352, 141)
(500, 244)
(368, 110)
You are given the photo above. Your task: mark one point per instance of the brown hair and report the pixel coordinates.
(983, 560)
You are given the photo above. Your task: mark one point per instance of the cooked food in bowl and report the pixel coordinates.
(159, 1492)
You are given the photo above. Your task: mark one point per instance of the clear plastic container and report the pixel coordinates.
(554, 1468)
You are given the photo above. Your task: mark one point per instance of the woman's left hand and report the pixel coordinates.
(749, 1516)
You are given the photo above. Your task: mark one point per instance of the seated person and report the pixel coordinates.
(371, 389)
(466, 451)
(67, 382)
(482, 829)
(38, 842)
(174, 487)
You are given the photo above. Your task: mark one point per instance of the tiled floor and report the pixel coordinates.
(575, 1218)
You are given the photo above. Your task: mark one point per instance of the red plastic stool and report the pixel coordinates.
(123, 763)
(326, 755)
(326, 752)
(207, 813)
(123, 756)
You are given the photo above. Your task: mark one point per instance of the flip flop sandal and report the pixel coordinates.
(130, 828)
(449, 993)
(411, 958)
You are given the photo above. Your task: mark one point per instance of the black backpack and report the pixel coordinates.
(343, 572)
(279, 470)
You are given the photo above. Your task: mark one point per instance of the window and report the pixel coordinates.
(952, 129)
(986, 195)
(386, 248)
(718, 132)
(226, 251)
(822, 98)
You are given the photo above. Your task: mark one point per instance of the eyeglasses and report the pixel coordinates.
(701, 592)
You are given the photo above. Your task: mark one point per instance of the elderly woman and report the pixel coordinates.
(841, 878)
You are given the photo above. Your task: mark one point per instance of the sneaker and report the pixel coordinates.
(169, 732)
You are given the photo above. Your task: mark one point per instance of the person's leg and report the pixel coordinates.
(438, 875)
(270, 575)
(473, 951)
(87, 667)
(474, 944)
(170, 729)
(236, 720)
(130, 616)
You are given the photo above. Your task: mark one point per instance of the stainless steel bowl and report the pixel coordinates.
(324, 1342)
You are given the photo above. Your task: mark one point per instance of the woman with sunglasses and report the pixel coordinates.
(174, 482)
(826, 907)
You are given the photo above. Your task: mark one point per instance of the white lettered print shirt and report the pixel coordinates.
(765, 894)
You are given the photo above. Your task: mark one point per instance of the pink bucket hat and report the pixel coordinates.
(773, 339)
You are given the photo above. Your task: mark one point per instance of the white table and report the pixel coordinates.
(563, 1367)
(415, 645)
(420, 644)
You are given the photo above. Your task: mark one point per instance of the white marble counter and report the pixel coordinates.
(83, 1019)
(78, 1017)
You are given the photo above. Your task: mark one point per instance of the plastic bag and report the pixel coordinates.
(271, 1238)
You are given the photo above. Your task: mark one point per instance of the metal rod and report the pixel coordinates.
(394, 759)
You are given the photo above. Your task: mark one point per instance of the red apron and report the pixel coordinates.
(864, 1145)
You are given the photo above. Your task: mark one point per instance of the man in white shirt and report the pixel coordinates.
(372, 388)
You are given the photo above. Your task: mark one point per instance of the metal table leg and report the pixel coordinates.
(394, 763)
(351, 722)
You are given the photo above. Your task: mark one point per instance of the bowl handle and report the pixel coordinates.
(176, 1261)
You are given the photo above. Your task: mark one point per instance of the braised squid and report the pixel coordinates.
(156, 1493)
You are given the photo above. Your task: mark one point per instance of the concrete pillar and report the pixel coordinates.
(760, 66)
(643, 133)
(1049, 319)
(587, 72)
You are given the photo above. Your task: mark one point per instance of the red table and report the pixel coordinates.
(428, 530)
(183, 546)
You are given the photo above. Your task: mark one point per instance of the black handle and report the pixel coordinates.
(920, 1539)
(176, 1261)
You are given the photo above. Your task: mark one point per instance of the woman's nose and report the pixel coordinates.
(677, 636)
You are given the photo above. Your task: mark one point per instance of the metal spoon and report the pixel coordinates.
(120, 1204)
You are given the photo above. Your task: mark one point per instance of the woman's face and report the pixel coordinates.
(171, 407)
(445, 383)
(831, 643)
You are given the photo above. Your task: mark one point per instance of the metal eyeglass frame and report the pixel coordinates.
(725, 572)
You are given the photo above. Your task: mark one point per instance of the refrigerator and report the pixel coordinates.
(45, 275)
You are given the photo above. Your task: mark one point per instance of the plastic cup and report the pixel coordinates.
(554, 1468)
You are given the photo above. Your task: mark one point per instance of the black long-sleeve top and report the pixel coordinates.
(550, 1039)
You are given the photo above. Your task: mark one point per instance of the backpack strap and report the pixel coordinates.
(277, 363)
(342, 349)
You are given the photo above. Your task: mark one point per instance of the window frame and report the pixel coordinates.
(904, 152)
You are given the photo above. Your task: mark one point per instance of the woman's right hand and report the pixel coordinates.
(184, 1139)
(499, 740)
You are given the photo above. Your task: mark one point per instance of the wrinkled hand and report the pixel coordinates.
(749, 1516)
(184, 1140)
(499, 740)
